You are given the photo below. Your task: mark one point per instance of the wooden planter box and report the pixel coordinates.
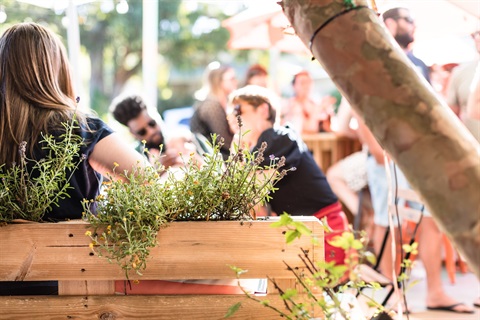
(186, 250)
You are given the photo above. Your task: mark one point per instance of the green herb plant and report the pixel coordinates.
(305, 301)
(32, 187)
(131, 210)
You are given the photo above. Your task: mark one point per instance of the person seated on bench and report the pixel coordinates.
(304, 191)
(37, 97)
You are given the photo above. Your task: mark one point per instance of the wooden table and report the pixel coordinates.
(327, 148)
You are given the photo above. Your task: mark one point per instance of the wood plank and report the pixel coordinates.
(86, 287)
(204, 307)
(186, 250)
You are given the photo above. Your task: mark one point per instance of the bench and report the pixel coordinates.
(186, 250)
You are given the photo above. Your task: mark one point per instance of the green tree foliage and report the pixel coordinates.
(188, 41)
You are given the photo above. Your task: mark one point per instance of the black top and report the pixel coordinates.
(303, 191)
(85, 182)
(210, 117)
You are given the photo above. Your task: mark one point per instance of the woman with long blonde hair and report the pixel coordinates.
(210, 116)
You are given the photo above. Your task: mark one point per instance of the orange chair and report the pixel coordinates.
(452, 258)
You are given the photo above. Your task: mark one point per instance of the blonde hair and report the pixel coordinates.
(215, 79)
(36, 92)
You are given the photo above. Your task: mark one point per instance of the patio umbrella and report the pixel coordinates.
(263, 27)
(442, 34)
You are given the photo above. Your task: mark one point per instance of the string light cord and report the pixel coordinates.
(323, 25)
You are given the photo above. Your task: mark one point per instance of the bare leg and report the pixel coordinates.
(430, 242)
(348, 197)
(386, 264)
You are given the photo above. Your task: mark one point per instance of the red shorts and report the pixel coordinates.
(337, 221)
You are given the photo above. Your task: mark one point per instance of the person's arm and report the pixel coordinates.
(344, 116)
(112, 150)
(473, 104)
(367, 137)
(451, 92)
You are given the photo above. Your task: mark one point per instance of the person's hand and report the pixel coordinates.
(170, 159)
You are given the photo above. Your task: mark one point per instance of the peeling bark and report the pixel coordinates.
(437, 154)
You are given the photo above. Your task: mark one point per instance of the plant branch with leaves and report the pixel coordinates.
(321, 284)
(131, 210)
(32, 187)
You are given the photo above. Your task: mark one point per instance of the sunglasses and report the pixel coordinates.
(152, 123)
(237, 110)
(407, 19)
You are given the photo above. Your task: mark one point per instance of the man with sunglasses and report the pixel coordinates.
(402, 27)
(145, 126)
(304, 191)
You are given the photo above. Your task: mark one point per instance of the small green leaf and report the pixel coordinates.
(285, 220)
(357, 244)
(291, 235)
(289, 293)
(371, 258)
(265, 302)
(339, 242)
(233, 309)
(301, 227)
(237, 270)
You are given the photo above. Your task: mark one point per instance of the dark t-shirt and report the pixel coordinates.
(303, 191)
(85, 182)
(420, 65)
(210, 117)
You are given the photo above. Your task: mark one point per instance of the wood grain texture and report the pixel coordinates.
(188, 307)
(186, 250)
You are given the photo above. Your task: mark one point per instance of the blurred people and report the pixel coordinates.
(459, 89)
(257, 75)
(210, 115)
(146, 127)
(301, 112)
(348, 176)
(440, 77)
(473, 103)
(473, 111)
(402, 26)
(304, 191)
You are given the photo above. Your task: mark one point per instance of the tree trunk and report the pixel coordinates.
(439, 157)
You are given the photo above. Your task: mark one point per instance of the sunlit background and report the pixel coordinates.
(160, 48)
